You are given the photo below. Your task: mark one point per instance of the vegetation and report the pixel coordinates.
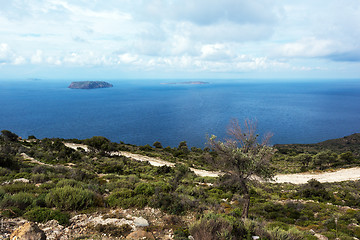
(243, 158)
(64, 182)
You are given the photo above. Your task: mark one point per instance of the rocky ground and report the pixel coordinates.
(147, 223)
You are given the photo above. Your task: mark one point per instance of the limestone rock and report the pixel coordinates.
(140, 222)
(320, 237)
(28, 231)
(140, 234)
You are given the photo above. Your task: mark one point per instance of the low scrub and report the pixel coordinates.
(45, 214)
(70, 198)
(20, 201)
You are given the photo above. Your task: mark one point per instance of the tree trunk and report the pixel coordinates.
(246, 204)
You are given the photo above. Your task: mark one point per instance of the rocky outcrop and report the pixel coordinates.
(90, 85)
(147, 223)
(28, 231)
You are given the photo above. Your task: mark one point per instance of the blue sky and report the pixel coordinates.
(92, 39)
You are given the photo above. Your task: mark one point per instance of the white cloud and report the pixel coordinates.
(37, 57)
(127, 58)
(187, 35)
(5, 53)
(309, 47)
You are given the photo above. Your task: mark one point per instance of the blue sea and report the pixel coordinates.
(144, 111)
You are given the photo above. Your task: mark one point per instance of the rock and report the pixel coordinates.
(320, 237)
(28, 231)
(24, 180)
(140, 234)
(140, 222)
(52, 229)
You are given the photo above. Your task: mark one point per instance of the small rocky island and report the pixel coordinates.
(90, 85)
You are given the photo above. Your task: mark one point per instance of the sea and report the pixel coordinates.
(141, 112)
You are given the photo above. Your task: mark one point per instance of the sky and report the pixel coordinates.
(146, 39)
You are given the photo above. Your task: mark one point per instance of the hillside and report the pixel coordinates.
(79, 189)
(347, 143)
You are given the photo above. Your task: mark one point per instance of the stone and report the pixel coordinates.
(140, 234)
(24, 180)
(28, 231)
(140, 222)
(321, 237)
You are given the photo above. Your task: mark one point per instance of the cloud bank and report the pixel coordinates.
(204, 36)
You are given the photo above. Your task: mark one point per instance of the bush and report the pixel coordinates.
(8, 161)
(157, 145)
(121, 198)
(126, 198)
(19, 187)
(69, 182)
(45, 214)
(19, 200)
(291, 234)
(216, 227)
(144, 189)
(70, 198)
(2, 193)
(120, 183)
(314, 189)
(39, 178)
(171, 203)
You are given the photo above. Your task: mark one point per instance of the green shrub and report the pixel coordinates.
(19, 187)
(162, 186)
(19, 200)
(2, 193)
(40, 200)
(8, 161)
(121, 198)
(214, 227)
(70, 198)
(314, 189)
(171, 203)
(139, 201)
(69, 182)
(39, 178)
(281, 234)
(4, 171)
(146, 189)
(120, 183)
(45, 214)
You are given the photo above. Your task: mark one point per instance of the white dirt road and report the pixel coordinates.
(296, 178)
(334, 176)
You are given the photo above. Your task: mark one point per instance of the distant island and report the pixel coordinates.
(90, 85)
(189, 83)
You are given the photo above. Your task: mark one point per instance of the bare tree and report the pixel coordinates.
(243, 157)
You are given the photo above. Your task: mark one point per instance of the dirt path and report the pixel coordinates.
(75, 146)
(33, 160)
(335, 176)
(296, 178)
